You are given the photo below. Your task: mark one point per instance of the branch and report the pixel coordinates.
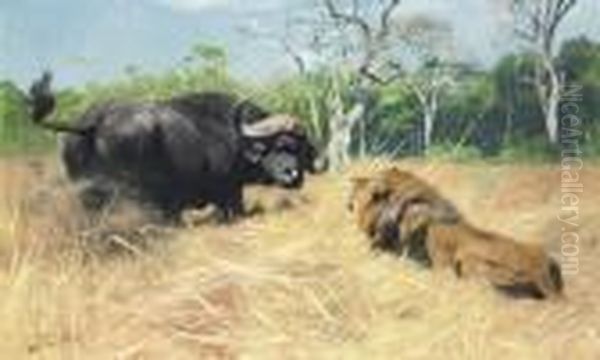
(296, 57)
(527, 35)
(419, 93)
(542, 19)
(348, 19)
(367, 72)
(386, 16)
(563, 7)
(561, 10)
(355, 7)
(374, 33)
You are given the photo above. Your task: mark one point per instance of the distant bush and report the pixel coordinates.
(536, 149)
(454, 152)
(591, 145)
(302, 96)
(17, 133)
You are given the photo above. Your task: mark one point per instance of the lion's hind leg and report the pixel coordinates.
(515, 282)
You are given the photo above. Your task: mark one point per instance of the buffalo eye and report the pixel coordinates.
(259, 147)
(286, 142)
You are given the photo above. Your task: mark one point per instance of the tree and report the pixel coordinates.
(428, 85)
(577, 57)
(429, 41)
(354, 35)
(364, 52)
(537, 22)
(470, 115)
(516, 100)
(206, 67)
(579, 60)
(302, 93)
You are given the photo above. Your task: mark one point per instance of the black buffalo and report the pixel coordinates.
(186, 151)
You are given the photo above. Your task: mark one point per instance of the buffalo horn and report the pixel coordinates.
(272, 125)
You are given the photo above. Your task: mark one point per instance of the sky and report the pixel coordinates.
(94, 40)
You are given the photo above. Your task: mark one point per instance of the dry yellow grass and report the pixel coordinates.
(297, 283)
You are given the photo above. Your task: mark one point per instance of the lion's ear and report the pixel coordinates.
(379, 189)
(359, 181)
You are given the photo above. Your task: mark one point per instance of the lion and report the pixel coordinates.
(404, 214)
(379, 201)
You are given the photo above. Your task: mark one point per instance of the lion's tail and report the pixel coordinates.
(553, 279)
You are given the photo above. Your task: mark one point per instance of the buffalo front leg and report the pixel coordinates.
(231, 205)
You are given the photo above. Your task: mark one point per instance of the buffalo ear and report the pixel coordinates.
(254, 151)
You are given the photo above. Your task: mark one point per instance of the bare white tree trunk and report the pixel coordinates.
(551, 97)
(428, 99)
(428, 120)
(372, 33)
(552, 116)
(341, 125)
(537, 22)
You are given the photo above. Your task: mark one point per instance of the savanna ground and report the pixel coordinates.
(297, 281)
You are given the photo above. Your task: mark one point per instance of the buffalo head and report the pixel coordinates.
(279, 149)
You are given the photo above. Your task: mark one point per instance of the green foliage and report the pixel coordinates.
(17, 132)
(579, 59)
(536, 149)
(578, 56)
(517, 105)
(448, 151)
(308, 97)
(304, 97)
(466, 113)
(591, 143)
(397, 109)
(394, 121)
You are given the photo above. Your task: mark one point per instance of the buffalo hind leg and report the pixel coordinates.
(96, 196)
